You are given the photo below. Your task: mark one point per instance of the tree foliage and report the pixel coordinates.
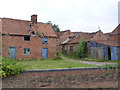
(10, 67)
(54, 27)
(81, 51)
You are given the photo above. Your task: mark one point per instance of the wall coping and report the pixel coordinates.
(66, 69)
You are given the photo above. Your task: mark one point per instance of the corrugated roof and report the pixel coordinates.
(22, 27)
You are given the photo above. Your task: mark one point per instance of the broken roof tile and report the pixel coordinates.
(23, 27)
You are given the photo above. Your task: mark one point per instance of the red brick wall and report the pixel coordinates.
(63, 37)
(35, 44)
(75, 47)
(64, 79)
(68, 47)
(59, 73)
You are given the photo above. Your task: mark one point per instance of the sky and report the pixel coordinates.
(75, 15)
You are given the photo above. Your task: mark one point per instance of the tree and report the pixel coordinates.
(54, 27)
(81, 51)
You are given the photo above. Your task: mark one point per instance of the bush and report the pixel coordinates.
(58, 56)
(81, 51)
(10, 67)
(42, 58)
(64, 52)
(102, 60)
(73, 54)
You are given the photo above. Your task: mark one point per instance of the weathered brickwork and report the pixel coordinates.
(42, 42)
(62, 36)
(35, 45)
(64, 79)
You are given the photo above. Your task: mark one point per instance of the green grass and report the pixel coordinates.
(89, 59)
(52, 64)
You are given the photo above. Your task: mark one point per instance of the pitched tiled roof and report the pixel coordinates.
(22, 27)
(73, 40)
(78, 33)
(81, 33)
(108, 42)
(116, 31)
(99, 36)
(61, 33)
(111, 39)
(87, 36)
(76, 39)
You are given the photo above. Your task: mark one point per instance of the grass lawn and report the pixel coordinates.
(93, 60)
(52, 64)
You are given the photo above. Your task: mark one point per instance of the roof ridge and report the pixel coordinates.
(23, 20)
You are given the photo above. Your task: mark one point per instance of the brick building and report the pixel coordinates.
(69, 41)
(106, 45)
(72, 43)
(23, 39)
(63, 36)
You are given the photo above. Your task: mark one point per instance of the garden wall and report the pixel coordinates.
(64, 78)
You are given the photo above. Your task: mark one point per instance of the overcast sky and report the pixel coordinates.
(76, 15)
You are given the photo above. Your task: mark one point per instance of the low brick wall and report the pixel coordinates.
(64, 78)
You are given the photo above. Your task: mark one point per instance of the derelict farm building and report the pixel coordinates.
(106, 45)
(27, 39)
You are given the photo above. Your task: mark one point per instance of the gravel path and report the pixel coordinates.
(90, 62)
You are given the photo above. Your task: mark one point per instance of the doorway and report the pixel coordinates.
(45, 52)
(109, 53)
(12, 52)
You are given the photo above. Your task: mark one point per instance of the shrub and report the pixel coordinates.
(10, 67)
(58, 56)
(64, 52)
(102, 60)
(73, 54)
(42, 58)
(81, 51)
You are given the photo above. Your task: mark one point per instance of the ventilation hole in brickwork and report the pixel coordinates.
(43, 34)
(33, 33)
(43, 86)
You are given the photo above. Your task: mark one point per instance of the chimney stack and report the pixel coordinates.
(34, 19)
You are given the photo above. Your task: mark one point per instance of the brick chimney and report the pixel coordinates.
(34, 19)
